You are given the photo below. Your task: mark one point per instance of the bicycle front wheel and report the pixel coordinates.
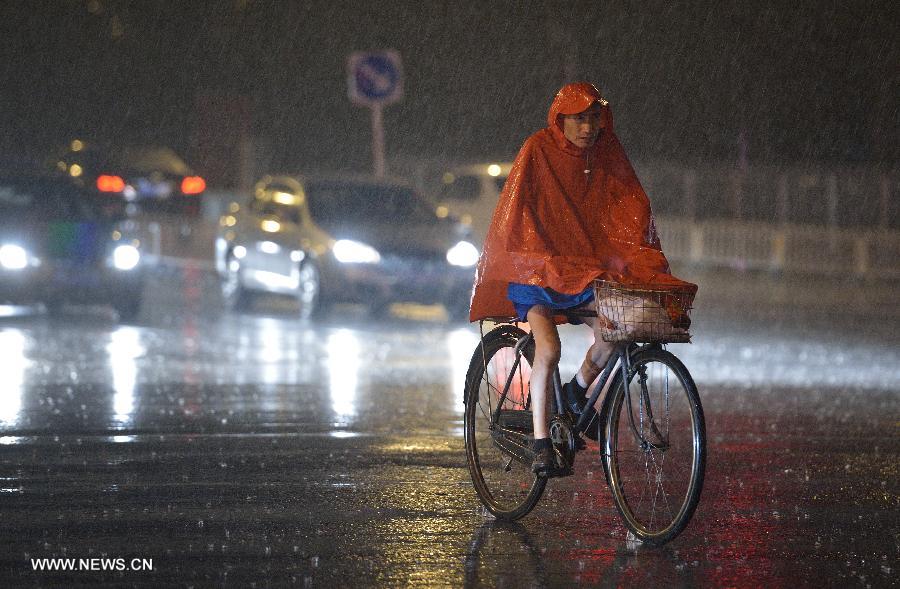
(504, 482)
(655, 446)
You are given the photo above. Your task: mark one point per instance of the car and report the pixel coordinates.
(58, 247)
(470, 193)
(342, 238)
(131, 180)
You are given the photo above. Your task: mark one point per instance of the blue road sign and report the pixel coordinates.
(375, 77)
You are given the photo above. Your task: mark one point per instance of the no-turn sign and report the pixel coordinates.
(375, 78)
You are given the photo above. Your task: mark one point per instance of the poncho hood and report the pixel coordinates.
(568, 215)
(575, 98)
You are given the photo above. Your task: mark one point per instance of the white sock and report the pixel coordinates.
(580, 380)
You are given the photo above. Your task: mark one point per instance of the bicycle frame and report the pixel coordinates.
(622, 357)
(658, 394)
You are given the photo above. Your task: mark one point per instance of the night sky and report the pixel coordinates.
(808, 81)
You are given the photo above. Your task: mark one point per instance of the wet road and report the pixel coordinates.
(262, 451)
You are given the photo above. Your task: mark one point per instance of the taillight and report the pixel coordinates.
(110, 183)
(193, 185)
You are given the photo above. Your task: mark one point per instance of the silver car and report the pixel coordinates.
(339, 239)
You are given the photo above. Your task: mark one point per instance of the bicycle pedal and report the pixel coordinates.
(557, 473)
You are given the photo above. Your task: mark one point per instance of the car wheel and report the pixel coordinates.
(309, 291)
(234, 296)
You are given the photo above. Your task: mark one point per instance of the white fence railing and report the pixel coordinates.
(831, 196)
(747, 245)
(789, 248)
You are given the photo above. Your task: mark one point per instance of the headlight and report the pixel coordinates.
(13, 257)
(353, 252)
(463, 254)
(126, 257)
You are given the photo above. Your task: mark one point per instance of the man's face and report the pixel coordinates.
(583, 128)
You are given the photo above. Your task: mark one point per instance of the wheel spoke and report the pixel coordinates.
(654, 475)
(505, 485)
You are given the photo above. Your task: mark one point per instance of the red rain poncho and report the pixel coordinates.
(569, 215)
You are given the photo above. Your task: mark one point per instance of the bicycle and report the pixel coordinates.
(649, 421)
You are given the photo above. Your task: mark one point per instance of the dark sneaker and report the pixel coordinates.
(577, 404)
(544, 461)
(574, 396)
(579, 444)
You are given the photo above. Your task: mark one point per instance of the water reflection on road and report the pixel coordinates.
(184, 363)
(13, 364)
(233, 371)
(234, 448)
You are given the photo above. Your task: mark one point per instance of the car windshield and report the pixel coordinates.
(43, 198)
(333, 203)
(289, 213)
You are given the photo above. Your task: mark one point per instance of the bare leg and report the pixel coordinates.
(597, 355)
(595, 359)
(546, 358)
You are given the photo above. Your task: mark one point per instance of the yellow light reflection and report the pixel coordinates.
(13, 364)
(270, 226)
(271, 350)
(461, 344)
(442, 211)
(124, 348)
(285, 198)
(343, 371)
(75, 170)
(77, 145)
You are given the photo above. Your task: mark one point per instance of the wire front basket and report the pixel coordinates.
(649, 313)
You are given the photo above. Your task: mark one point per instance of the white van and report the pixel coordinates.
(470, 193)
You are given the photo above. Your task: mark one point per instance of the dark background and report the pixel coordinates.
(688, 81)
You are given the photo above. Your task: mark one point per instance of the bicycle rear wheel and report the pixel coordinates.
(655, 446)
(504, 482)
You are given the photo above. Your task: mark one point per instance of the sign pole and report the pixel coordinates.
(375, 79)
(377, 141)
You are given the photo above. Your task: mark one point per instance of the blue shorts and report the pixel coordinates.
(525, 296)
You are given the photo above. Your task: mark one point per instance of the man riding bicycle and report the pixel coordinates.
(572, 211)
